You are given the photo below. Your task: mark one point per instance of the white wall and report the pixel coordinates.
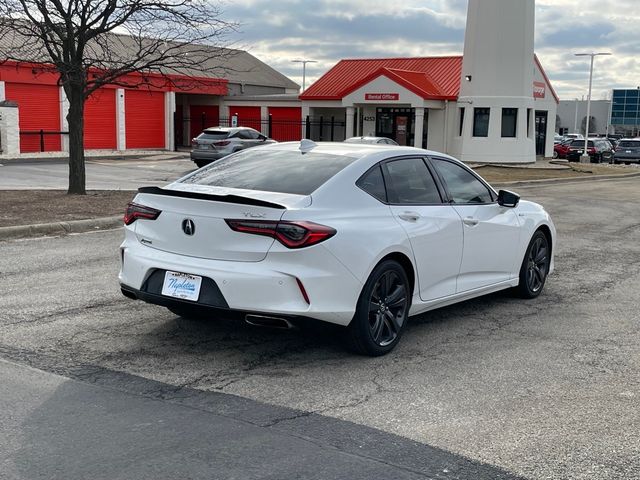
(121, 142)
(9, 131)
(383, 84)
(498, 57)
(64, 123)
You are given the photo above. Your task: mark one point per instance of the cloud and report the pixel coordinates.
(278, 31)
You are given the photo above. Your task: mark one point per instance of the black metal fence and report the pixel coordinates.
(41, 141)
(315, 128)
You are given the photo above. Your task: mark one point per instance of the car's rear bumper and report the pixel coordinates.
(209, 155)
(625, 158)
(269, 286)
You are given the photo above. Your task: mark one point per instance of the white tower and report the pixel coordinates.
(496, 90)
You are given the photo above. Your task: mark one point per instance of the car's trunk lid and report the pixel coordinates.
(193, 223)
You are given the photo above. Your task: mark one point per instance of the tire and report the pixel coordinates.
(201, 163)
(535, 267)
(382, 311)
(555, 154)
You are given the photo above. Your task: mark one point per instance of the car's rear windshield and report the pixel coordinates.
(629, 143)
(272, 171)
(213, 135)
(580, 143)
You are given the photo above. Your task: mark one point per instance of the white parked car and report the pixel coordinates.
(372, 140)
(357, 235)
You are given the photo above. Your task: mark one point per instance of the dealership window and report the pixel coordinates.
(509, 122)
(529, 133)
(461, 115)
(481, 122)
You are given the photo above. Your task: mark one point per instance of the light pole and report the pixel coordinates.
(304, 71)
(585, 155)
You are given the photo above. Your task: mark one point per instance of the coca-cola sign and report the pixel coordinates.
(382, 96)
(539, 90)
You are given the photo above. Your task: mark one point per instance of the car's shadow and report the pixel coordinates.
(223, 335)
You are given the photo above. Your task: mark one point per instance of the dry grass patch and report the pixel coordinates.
(26, 207)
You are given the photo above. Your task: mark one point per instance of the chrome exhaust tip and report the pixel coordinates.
(269, 322)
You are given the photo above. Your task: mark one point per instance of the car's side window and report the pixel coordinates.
(463, 186)
(253, 134)
(410, 182)
(372, 182)
(242, 134)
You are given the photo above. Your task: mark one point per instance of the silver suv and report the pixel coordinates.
(627, 151)
(217, 142)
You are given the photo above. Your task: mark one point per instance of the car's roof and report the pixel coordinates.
(356, 150)
(227, 129)
(364, 139)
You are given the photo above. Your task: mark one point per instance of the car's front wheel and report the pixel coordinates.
(382, 310)
(535, 266)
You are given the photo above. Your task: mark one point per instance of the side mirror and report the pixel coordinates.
(262, 137)
(508, 199)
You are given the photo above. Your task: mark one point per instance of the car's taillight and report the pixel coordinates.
(194, 142)
(221, 143)
(136, 211)
(591, 150)
(290, 234)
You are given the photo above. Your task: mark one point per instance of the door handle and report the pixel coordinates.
(472, 222)
(409, 216)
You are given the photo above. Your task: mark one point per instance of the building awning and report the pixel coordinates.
(432, 78)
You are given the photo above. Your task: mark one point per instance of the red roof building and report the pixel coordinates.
(415, 101)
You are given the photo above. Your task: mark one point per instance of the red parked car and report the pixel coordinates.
(561, 149)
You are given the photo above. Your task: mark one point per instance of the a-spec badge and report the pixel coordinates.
(188, 227)
(253, 215)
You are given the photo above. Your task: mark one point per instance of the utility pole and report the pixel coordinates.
(585, 155)
(304, 71)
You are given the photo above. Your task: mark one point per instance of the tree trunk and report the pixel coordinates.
(75, 119)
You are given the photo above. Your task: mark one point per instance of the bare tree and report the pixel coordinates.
(93, 43)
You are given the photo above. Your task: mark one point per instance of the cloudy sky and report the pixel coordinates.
(278, 31)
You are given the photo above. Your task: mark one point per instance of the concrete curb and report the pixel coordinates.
(557, 181)
(60, 228)
(115, 156)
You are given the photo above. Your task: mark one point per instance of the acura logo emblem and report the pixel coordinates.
(188, 227)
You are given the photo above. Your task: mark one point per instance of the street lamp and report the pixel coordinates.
(585, 155)
(304, 70)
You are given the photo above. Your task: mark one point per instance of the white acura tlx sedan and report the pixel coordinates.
(358, 235)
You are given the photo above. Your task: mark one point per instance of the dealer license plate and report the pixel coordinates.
(181, 285)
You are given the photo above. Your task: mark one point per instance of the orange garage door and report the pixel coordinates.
(38, 109)
(286, 123)
(100, 120)
(144, 119)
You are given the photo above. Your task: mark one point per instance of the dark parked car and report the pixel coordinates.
(599, 150)
(627, 151)
(217, 142)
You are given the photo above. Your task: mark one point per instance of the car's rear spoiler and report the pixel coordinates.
(205, 196)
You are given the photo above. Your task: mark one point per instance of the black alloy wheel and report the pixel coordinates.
(382, 311)
(535, 266)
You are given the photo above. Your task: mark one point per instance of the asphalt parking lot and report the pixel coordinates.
(102, 174)
(543, 389)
